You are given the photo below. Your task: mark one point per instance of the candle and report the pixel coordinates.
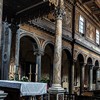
(30, 68)
(14, 68)
(30, 72)
(36, 77)
(10, 69)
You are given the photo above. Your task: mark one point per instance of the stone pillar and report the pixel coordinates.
(13, 61)
(6, 50)
(98, 79)
(3, 95)
(38, 54)
(82, 71)
(56, 91)
(90, 76)
(1, 67)
(17, 44)
(71, 77)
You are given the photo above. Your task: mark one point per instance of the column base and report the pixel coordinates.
(56, 92)
(2, 95)
(56, 88)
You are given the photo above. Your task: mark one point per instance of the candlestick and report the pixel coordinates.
(30, 73)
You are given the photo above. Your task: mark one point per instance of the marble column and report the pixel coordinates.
(6, 49)
(38, 54)
(82, 71)
(1, 44)
(56, 91)
(17, 47)
(90, 76)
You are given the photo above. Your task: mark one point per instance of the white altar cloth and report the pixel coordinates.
(26, 88)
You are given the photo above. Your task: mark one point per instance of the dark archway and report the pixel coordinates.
(47, 63)
(79, 74)
(87, 73)
(27, 59)
(95, 68)
(66, 59)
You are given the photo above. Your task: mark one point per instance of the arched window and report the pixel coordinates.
(81, 24)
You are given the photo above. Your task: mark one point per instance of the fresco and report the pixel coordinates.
(67, 20)
(90, 31)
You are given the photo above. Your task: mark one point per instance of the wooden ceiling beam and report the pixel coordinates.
(96, 12)
(97, 3)
(87, 1)
(30, 7)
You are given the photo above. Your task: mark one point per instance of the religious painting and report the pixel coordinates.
(67, 20)
(90, 31)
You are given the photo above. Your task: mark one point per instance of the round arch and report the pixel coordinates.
(79, 73)
(66, 61)
(47, 62)
(27, 59)
(89, 61)
(46, 43)
(23, 34)
(95, 68)
(80, 58)
(80, 55)
(96, 63)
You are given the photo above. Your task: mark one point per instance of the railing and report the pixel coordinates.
(87, 98)
(69, 96)
(77, 97)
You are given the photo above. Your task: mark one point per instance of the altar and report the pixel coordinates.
(22, 89)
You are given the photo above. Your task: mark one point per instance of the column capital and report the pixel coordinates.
(59, 12)
(82, 64)
(38, 52)
(14, 27)
(90, 66)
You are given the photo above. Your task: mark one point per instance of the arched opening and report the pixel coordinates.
(47, 64)
(95, 68)
(79, 74)
(87, 72)
(27, 59)
(66, 59)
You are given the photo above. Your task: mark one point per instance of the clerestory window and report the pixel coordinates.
(97, 37)
(81, 24)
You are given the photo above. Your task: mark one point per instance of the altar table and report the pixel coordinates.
(23, 88)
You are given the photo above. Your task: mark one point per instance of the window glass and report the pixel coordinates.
(97, 36)
(81, 24)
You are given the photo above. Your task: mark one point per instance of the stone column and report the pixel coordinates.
(98, 79)
(17, 44)
(6, 50)
(1, 10)
(90, 76)
(3, 95)
(56, 88)
(38, 54)
(57, 51)
(82, 71)
(71, 76)
(13, 61)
